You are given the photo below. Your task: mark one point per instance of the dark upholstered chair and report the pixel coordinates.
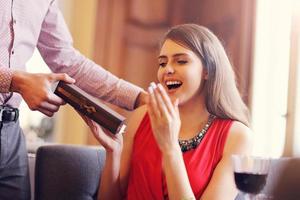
(283, 182)
(64, 172)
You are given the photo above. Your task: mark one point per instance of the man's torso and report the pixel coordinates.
(20, 26)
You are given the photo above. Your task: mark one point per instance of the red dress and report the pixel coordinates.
(146, 178)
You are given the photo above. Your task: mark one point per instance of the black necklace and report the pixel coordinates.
(192, 143)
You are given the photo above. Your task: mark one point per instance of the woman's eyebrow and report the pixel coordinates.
(174, 55)
(179, 54)
(161, 57)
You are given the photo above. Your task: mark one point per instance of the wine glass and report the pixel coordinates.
(250, 174)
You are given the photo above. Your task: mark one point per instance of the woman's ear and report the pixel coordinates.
(205, 74)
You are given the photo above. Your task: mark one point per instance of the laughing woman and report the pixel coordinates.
(179, 145)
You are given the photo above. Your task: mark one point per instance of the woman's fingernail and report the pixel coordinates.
(150, 89)
(153, 85)
(160, 86)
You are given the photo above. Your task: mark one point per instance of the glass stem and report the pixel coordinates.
(248, 196)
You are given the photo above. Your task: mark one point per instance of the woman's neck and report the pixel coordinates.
(194, 116)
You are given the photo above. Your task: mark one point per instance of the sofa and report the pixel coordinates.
(63, 172)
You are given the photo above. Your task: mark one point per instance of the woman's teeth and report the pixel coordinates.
(173, 84)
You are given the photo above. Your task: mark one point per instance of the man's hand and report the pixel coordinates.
(36, 90)
(141, 99)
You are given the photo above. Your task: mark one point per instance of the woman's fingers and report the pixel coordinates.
(153, 107)
(45, 112)
(102, 136)
(176, 103)
(161, 104)
(167, 101)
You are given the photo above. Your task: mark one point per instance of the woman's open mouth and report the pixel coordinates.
(173, 85)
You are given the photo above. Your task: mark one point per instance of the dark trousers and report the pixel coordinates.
(14, 172)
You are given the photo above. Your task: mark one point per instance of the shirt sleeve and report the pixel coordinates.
(5, 79)
(56, 47)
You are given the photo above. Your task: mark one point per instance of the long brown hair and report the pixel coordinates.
(222, 97)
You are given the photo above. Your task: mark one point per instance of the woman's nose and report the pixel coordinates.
(169, 69)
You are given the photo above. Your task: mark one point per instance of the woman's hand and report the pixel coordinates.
(111, 142)
(164, 117)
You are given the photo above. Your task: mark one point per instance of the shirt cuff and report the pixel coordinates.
(6, 75)
(128, 94)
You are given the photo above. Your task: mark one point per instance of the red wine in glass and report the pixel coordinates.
(250, 174)
(250, 183)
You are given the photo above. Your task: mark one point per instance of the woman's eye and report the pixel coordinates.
(162, 64)
(182, 62)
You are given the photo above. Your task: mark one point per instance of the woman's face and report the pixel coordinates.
(180, 71)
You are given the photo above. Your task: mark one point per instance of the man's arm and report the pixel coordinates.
(5, 79)
(56, 46)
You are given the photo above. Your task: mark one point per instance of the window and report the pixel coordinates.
(272, 92)
(293, 133)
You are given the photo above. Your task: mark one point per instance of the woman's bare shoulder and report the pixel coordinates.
(135, 119)
(240, 139)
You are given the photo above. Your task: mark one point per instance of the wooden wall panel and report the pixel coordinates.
(146, 22)
(150, 13)
(109, 35)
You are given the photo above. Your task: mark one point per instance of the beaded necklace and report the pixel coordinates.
(192, 143)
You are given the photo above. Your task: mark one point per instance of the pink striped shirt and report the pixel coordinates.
(26, 24)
